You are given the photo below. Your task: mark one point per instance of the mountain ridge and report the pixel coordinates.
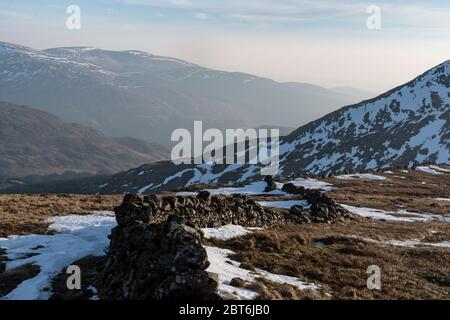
(410, 123)
(137, 94)
(377, 97)
(323, 146)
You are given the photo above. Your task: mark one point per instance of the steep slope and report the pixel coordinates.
(33, 142)
(407, 125)
(136, 94)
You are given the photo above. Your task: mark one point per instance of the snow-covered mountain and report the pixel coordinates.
(407, 125)
(136, 94)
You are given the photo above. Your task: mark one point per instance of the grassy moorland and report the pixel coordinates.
(333, 256)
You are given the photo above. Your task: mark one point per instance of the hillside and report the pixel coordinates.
(405, 126)
(34, 142)
(398, 220)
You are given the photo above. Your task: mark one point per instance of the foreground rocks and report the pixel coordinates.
(270, 184)
(156, 252)
(322, 207)
(3, 260)
(211, 211)
(159, 261)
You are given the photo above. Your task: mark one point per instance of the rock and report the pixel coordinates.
(293, 189)
(157, 262)
(322, 207)
(204, 195)
(238, 283)
(3, 260)
(299, 215)
(207, 211)
(132, 210)
(296, 210)
(270, 184)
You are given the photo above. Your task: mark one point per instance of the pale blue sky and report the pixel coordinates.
(321, 42)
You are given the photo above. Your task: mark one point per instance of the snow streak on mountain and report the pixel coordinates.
(407, 125)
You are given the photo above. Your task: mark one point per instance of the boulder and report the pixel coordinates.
(270, 184)
(133, 210)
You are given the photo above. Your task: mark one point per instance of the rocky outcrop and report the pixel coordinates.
(322, 207)
(3, 259)
(158, 261)
(270, 184)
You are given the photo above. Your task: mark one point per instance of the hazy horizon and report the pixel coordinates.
(319, 42)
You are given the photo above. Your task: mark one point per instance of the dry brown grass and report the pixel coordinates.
(340, 262)
(330, 255)
(26, 214)
(91, 267)
(269, 290)
(401, 191)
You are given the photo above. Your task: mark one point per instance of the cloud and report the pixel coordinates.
(162, 3)
(264, 18)
(416, 16)
(15, 15)
(399, 13)
(201, 16)
(276, 7)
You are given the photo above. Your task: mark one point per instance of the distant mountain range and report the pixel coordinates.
(33, 142)
(407, 125)
(140, 95)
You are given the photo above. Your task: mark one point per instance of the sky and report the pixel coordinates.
(323, 42)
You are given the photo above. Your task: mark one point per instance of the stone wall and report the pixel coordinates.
(203, 210)
(206, 210)
(159, 261)
(156, 252)
(322, 207)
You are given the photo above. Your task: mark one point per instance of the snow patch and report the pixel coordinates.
(79, 236)
(228, 269)
(385, 215)
(439, 169)
(312, 184)
(286, 204)
(408, 243)
(427, 170)
(226, 232)
(249, 189)
(366, 176)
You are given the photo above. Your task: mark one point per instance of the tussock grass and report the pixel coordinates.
(340, 262)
